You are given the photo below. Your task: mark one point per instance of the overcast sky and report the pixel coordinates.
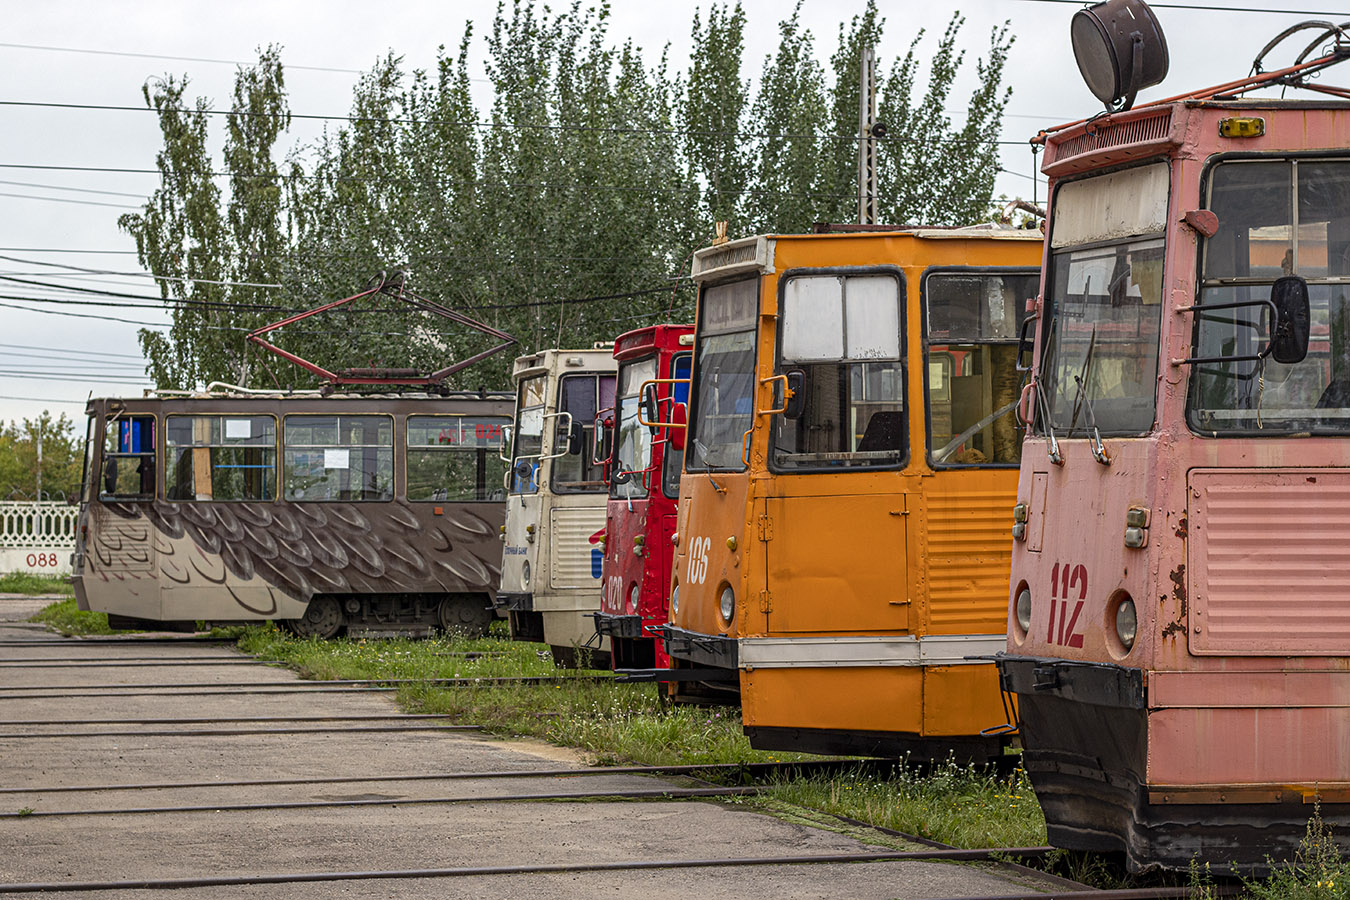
(60, 217)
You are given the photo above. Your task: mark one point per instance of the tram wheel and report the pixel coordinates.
(466, 615)
(323, 619)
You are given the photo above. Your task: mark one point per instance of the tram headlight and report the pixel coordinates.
(1022, 609)
(727, 603)
(525, 573)
(633, 598)
(1127, 623)
(675, 601)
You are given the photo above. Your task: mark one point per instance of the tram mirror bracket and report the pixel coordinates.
(1288, 306)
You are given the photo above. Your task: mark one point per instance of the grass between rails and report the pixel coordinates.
(628, 724)
(28, 583)
(618, 724)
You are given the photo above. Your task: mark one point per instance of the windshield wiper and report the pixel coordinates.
(702, 449)
(1082, 402)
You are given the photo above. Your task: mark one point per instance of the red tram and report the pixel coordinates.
(644, 479)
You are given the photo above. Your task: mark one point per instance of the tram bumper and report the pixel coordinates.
(514, 601)
(1087, 731)
(610, 625)
(715, 650)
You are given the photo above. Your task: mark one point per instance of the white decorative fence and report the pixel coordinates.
(37, 537)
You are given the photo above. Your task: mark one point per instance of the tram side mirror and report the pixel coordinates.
(1289, 336)
(1026, 344)
(795, 405)
(110, 477)
(576, 439)
(650, 405)
(679, 420)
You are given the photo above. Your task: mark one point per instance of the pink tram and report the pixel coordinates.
(644, 484)
(1179, 617)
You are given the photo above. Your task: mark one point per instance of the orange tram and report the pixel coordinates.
(850, 459)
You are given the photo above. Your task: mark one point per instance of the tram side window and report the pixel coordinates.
(973, 382)
(454, 458)
(128, 458)
(580, 396)
(220, 458)
(841, 354)
(339, 458)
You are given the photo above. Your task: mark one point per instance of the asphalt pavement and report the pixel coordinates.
(160, 777)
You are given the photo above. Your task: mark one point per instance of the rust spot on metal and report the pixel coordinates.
(1178, 576)
(1312, 479)
(1181, 528)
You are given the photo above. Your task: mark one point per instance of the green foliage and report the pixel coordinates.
(67, 618)
(786, 118)
(62, 459)
(931, 171)
(34, 585)
(1317, 871)
(959, 805)
(568, 216)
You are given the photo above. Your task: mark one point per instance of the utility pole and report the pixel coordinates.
(39, 459)
(868, 131)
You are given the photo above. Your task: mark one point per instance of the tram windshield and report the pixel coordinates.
(1104, 303)
(1276, 217)
(633, 454)
(973, 382)
(725, 377)
(841, 355)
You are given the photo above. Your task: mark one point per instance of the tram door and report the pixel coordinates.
(834, 521)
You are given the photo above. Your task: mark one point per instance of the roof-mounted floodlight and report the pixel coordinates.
(1120, 50)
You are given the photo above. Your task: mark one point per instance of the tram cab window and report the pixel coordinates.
(527, 437)
(671, 461)
(220, 458)
(128, 458)
(633, 454)
(723, 398)
(973, 382)
(1277, 217)
(841, 352)
(454, 458)
(580, 396)
(339, 458)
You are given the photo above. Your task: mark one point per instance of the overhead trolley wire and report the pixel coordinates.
(492, 126)
(1219, 9)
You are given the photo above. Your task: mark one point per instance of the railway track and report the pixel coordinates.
(183, 804)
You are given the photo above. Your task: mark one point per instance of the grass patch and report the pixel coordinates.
(65, 617)
(28, 583)
(959, 805)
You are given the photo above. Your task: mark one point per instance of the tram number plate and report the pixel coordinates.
(698, 560)
(1066, 609)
